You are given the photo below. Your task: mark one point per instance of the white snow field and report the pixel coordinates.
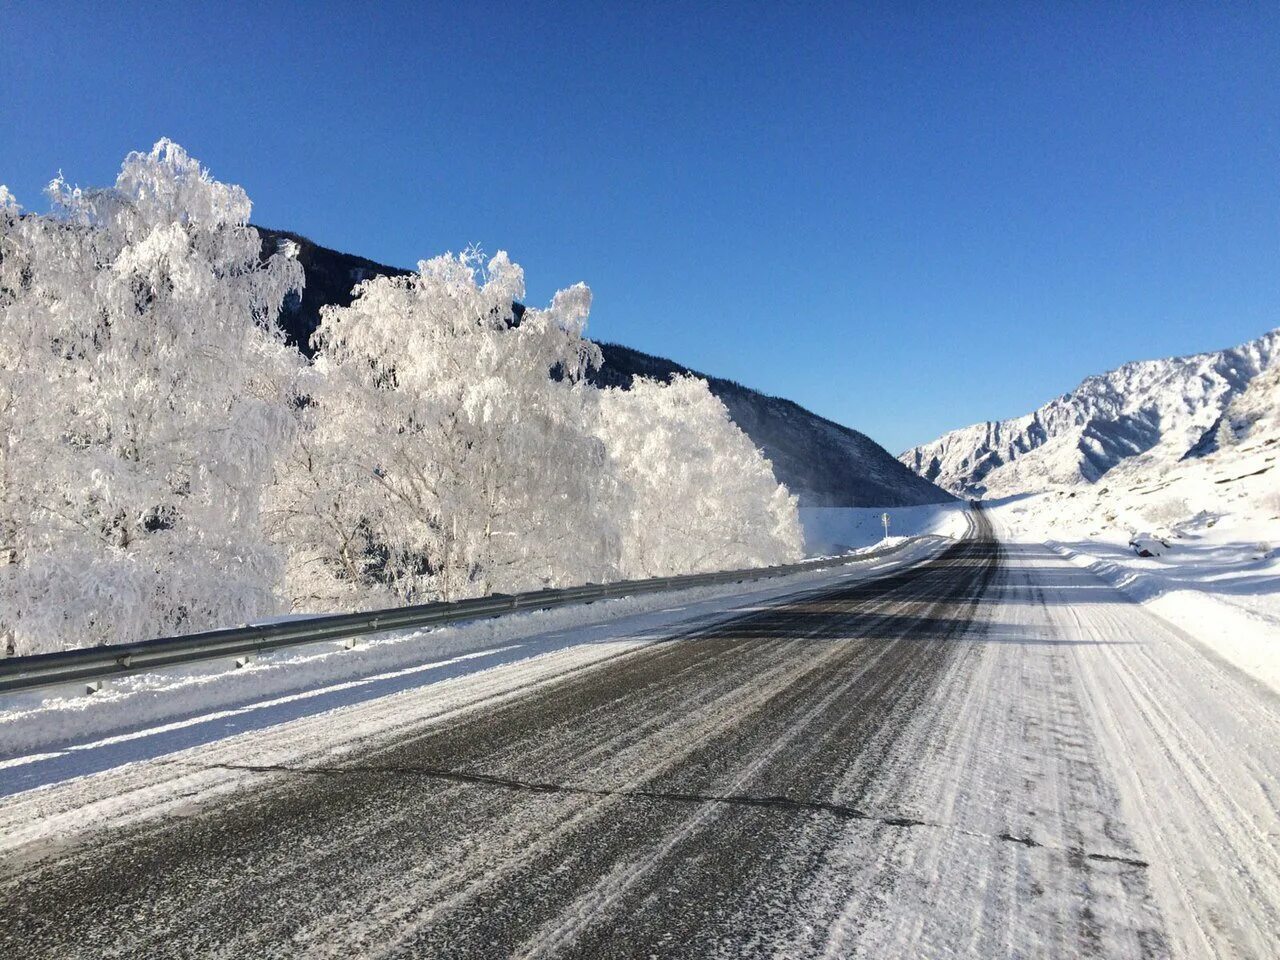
(991, 753)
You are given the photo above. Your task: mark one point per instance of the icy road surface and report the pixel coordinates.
(991, 753)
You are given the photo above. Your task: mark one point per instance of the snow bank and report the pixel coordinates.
(1241, 627)
(829, 531)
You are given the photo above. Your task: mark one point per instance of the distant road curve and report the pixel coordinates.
(990, 753)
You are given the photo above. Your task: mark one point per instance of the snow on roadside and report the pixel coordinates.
(48, 720)
(833, 530)
(1245, 635)
(1217, 524)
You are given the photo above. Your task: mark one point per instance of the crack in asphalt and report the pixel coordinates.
(530, 786)
(734, 799)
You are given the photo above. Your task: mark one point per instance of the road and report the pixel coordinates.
(991, 753)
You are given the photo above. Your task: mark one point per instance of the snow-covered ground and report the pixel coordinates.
(998, 756)
(1160, 477)
(834, 530)
(51, 735)
(1213, 527)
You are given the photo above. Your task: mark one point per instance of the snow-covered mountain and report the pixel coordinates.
(823, 463)
(1151, 413)
(1253, 416)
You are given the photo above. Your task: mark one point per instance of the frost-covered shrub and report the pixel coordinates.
(443, 459)
(1168, 512)
(145, 396)
(1269, 504)
(693, 492)
(451, 451)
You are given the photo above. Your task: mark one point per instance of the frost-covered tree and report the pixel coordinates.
(145, 397)
(449, 450)
(694, 494)
(323, 512)
(168, 464)
(28, 407)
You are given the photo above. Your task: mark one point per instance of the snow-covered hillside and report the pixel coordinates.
(1250, 419)
(1153, 411)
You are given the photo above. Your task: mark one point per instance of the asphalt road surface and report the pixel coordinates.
(990, 753)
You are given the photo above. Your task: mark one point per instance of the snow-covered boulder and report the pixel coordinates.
(1148, 545)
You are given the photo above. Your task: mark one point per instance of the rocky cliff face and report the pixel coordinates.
(1157, 411)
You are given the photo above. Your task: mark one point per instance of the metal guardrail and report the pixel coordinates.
(94, 664)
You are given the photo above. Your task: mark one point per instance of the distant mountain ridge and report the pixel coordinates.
(822, 462)
(1157, 411)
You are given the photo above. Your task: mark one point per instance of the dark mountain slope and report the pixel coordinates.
(823, 463)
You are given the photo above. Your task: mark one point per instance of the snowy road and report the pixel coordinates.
(991, 753)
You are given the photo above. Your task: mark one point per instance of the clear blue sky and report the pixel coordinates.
(905, 217)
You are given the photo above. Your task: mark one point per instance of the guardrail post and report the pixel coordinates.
(92, 687)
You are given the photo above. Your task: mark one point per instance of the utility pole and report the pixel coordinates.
(884, 518)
